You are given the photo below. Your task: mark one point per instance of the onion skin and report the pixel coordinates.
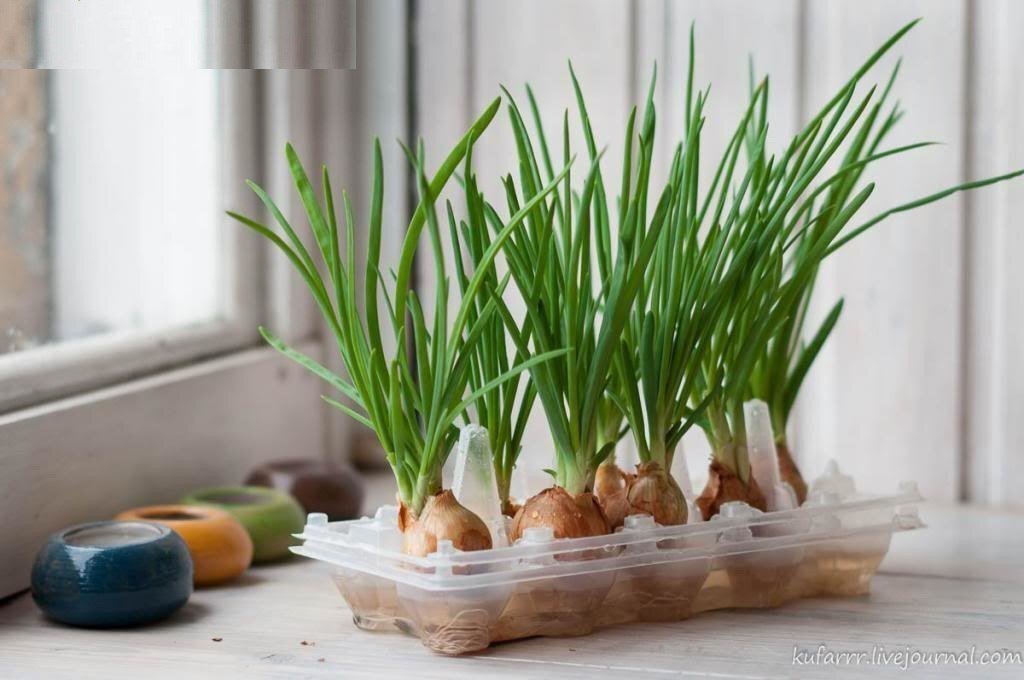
(567, 517)
(443, 518)
(789, 472)
(609, 479)
(510, 508)
(616, 509)
(594, 520)
(610, 485)
(653, 491)
(724, 486)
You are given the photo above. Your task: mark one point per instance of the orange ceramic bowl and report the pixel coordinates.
(219, 545)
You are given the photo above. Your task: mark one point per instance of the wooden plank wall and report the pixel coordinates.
(886, 398)
(993, 436)
(920, 380)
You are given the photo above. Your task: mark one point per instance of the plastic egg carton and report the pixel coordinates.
(458, 602)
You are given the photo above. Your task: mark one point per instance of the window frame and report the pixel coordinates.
(91, 427)
(65, 368)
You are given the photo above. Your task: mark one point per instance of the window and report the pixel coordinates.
(115, 244)
(130, 366)
(140, 245)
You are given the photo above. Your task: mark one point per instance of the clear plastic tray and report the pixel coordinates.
(458, 602)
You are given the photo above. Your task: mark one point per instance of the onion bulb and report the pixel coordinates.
(724, 486)
(442, 519)
(610, 484)
(789, 472)
(567, 516)
(592, 516)
(654, 492)
(510, 507)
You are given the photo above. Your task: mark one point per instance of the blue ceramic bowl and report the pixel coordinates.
(112, 574)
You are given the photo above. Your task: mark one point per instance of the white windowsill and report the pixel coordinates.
(148, 441)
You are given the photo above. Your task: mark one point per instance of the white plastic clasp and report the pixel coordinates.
(907, 517)
(440, 557)
(634, 524)
(537, 536)
(736, 510)
(387, 515)
(835, 481)
(639, 523)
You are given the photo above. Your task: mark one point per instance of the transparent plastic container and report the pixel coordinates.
(458, 602)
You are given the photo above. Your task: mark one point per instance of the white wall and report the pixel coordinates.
(993, 396)
(920, 380)
(887, 396)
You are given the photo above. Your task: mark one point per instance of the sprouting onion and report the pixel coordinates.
(787, 358)
(669, 366)
(412, 398)
(569, 304)
(504, 411)
(611, 482)
(785, 219)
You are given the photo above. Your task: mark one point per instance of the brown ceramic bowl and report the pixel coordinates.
(334, 489)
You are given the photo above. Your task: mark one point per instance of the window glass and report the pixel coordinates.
(110, 221)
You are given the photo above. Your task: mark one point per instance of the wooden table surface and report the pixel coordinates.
(958, 583)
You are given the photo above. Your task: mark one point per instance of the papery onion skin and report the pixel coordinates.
(608, 479)
(653, 491)
(567, 517)
(724, 486)
(595, 522)
(616, 509)
(610, 484)
(789, 472)
(510, 507)
(443, 518)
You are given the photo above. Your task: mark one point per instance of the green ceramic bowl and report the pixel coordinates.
(270, 516)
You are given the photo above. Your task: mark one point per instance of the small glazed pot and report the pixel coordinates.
(218, 543)
(112, 574)
(318, 485)
(270, 516)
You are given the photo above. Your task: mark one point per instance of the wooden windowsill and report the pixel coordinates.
(956, 584)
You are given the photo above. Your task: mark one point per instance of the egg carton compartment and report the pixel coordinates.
(458, 602)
